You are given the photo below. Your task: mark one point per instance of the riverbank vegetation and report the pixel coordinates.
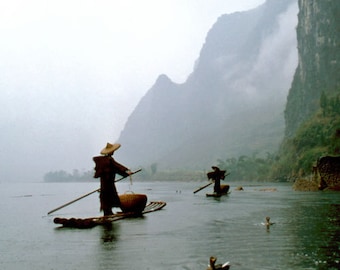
(63, 176)
(318, 136)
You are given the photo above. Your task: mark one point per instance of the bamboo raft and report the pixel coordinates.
(216, 195)
(224, 191)
(85, 223)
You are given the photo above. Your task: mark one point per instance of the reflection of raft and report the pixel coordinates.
(224, 191)
(84, 223)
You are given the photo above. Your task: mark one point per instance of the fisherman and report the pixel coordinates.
(217, 175)
(106, 168)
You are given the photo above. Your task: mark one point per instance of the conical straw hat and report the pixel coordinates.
(110, 148)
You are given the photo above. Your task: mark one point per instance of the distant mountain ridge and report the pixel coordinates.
(232, 104)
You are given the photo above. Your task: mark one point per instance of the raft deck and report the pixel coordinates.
(216, 195)
(84, 223)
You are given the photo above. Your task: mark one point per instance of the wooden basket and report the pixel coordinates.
(132, 203)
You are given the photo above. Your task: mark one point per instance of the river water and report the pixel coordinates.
(183, 235)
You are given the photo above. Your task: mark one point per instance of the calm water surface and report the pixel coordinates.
(191, 228)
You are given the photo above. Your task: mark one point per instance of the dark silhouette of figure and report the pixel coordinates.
(106, 168)
(216, 175)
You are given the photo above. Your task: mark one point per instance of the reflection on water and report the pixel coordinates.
(183, 235)
(316, 233)
(108, 233)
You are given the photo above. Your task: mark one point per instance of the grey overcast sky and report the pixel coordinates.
(72, 71)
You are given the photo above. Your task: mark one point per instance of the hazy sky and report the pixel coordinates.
(71, 72)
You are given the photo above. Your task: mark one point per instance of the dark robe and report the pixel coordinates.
(217, 175)
(106, 168)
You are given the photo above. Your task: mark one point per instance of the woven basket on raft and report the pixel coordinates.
(132, 203)
(225, 188)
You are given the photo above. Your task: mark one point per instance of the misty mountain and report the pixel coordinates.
(319, 57)
(312, 112)
(231, 104)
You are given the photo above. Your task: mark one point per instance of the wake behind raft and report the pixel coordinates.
(132, 205)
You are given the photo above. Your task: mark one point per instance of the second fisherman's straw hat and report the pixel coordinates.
(110, 148)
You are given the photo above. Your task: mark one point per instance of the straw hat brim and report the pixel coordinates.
(110, 148)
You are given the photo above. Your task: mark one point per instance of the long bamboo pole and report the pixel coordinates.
(85, 195)
(197, 190)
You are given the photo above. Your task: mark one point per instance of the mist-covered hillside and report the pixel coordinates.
(312, 112)
(232, 103)
(319, 57)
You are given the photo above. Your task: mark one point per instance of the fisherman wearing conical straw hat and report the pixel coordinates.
(106, 168)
